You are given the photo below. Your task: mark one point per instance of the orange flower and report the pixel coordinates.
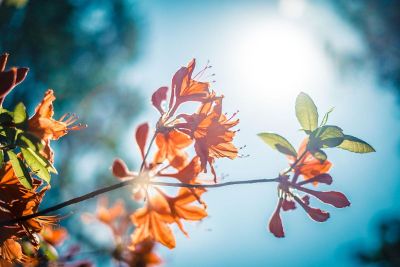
(309, 166)
(54, 236)
(212, 133)
(109, 215)
(180, 208)
(161, 210)
(18, 201)
(188, 174)
(11, 252)
(152, 222)
(184, 88)
(115, 217)
(46, 128)
(11, 78)
(170, 145)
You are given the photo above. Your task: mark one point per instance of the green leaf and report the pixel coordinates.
(20, 170)
(330, 135)
(326, 117)
(320, 155)
(306, 112)
(9, 134)
(1, 158)
(28, 140)
(356, 145)
(20, 114)
(49, 251)
(38, 164)
(5, 116)
(279, 143)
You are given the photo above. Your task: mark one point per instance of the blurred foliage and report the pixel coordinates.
(388, 251)
(377, 22)
(78, 48)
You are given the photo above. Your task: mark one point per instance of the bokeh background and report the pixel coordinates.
(105, 58)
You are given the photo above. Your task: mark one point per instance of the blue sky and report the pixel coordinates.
(263, 55)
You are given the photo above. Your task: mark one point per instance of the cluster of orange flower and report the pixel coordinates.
(208, 131)
(186, 148)
(17, 200)
(313, 171)
(116, 218)
(310, 163)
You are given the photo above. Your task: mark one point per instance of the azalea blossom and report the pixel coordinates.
(307, 165)
(212, 133)
(18, 201)
(292, 191)
(161, 210)
(152, 220)
(46, 128)
(208, 133)
(184, 88)
(116, 218)
(170, 146)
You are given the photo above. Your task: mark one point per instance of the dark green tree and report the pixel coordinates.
(78, 48)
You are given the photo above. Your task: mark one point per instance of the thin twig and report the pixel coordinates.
(122, 184)
(296, 162)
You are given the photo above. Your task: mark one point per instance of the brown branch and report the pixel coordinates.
(122, 184)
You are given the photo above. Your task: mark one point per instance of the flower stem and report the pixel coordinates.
(296, 162)
(123, 184)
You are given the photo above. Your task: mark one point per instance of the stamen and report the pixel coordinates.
(202, 71)
(64, 116)
(233, 115)
(209, 76)
(80, 126)
(70, 120)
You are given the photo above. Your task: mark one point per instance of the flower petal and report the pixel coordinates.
(141, 134)
(323, 178)
(315, 214)
(275, 223)
(336, 199)
(288, 205)
(120, 170)
(158, 97)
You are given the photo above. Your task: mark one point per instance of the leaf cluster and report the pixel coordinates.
(320, 136)
(22, 148)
